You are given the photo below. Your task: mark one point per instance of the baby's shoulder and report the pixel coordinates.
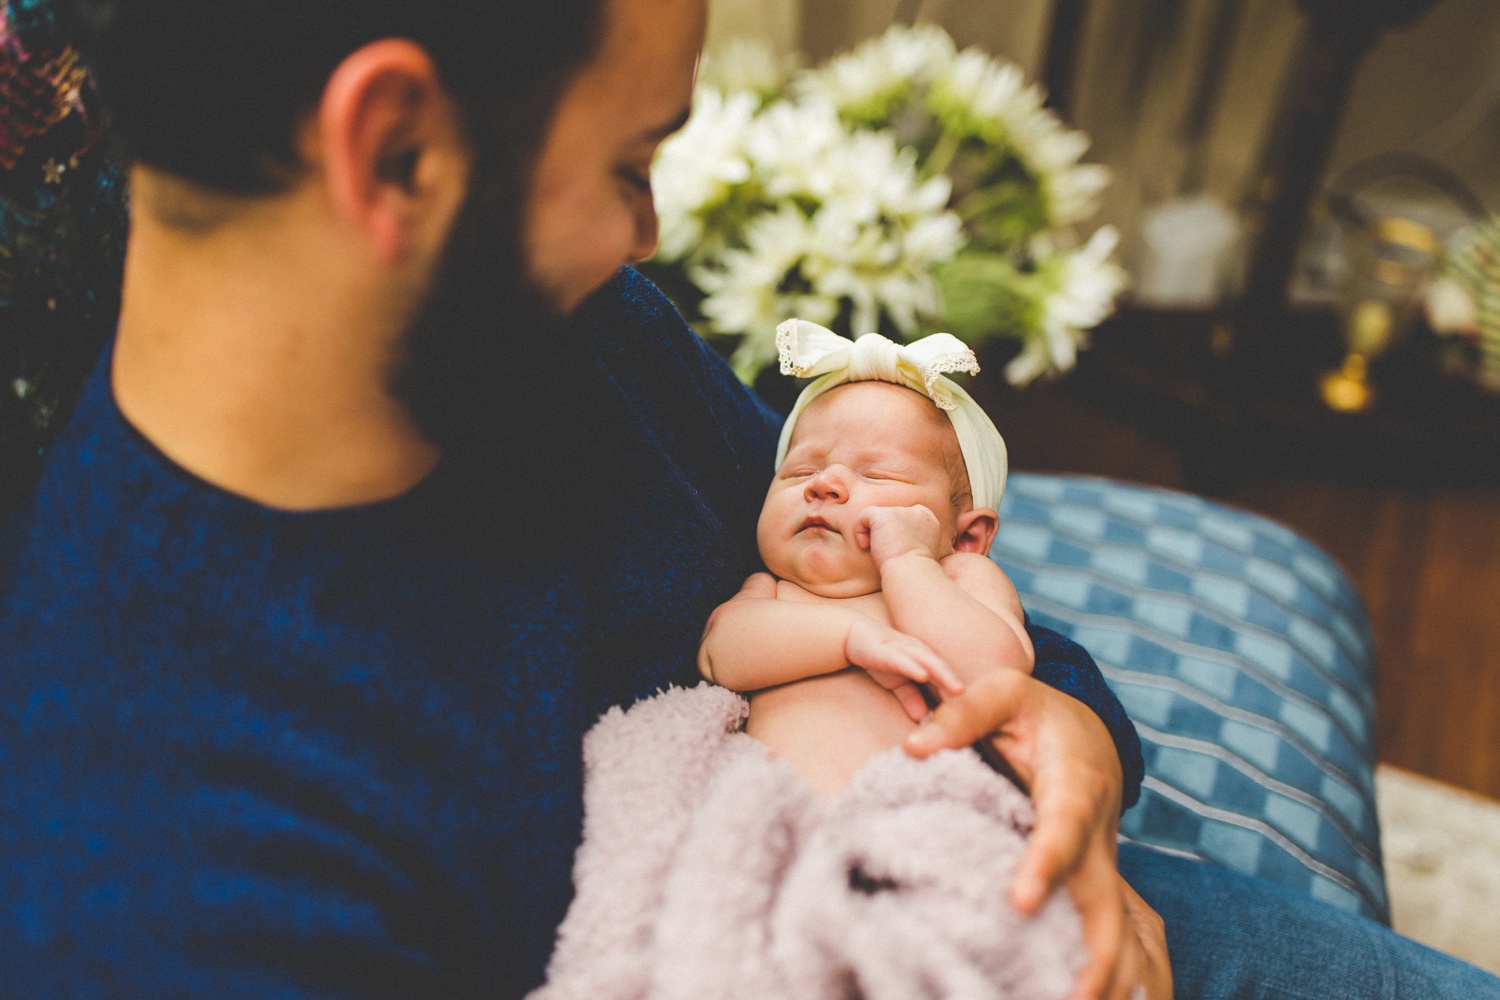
(973, 569)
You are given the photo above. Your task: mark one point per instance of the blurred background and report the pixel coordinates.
(1288, 177)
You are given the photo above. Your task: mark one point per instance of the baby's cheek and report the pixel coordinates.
(766, 543)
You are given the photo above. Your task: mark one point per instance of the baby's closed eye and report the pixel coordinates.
(886, 475)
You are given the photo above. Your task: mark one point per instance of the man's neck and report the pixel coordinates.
(255, 355)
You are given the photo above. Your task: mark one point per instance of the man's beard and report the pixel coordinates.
(494, 375)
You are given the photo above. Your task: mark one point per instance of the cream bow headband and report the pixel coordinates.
(807, 349)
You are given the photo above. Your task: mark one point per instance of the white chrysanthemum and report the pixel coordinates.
(992, 100)
(878, 232)
(879, 257)
(987, 88)
(745, 287)
(1052, 151)
(803, 152)
(792, 147)
(865, 81)
(1088, 282)
(696, 168)
(813, 204)
(852, 222)
(1073, 193)
(746, 65)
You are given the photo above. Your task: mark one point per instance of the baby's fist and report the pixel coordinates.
(891, 532)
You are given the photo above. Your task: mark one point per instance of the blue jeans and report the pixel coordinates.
(1231, 935)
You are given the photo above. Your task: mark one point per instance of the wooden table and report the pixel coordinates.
(1248, 405)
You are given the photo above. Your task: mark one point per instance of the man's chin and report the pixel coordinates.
(566, 305)
(474, 360)
(566, 302)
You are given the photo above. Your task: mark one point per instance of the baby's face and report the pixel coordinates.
(865, 444)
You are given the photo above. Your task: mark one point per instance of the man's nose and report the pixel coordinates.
(827, 485)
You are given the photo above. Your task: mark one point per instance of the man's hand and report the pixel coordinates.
(1064, 757)
(1152, 934)
(892, 532)
(898, 662)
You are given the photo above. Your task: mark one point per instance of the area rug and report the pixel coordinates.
(1442, 864)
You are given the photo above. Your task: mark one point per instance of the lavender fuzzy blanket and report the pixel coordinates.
(710, 871)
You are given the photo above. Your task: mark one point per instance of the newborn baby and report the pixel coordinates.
(801, 853)
(879, 581)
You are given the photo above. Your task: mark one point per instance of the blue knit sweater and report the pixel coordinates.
(253, 753)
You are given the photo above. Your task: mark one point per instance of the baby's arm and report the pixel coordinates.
(963, 606)
(755, 641)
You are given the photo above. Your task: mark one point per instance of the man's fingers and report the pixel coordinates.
(1062, 753)
(1063, 821)
(1151, 932)
(986, 706)
(1095, 891)
(1037, 874)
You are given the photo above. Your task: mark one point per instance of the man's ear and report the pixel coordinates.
(390, 143)
(976, 530)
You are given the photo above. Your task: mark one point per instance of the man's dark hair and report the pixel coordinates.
(213, 90)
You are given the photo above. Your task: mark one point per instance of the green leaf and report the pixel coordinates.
(985, 295)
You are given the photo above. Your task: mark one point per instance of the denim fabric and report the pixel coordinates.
(1235, 936)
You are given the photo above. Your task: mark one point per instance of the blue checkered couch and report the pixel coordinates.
(1243, 655)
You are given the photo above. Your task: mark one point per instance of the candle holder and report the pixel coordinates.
(1391, 260)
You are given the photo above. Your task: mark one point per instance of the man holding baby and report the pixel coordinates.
(390, 483)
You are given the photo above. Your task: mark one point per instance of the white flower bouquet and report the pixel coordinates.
(905, 187)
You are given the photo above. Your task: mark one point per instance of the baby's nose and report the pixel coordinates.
(827, 485)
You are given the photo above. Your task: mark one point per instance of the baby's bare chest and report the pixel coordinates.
(825, 727)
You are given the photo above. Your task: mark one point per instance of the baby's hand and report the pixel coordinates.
(889, 532)
(899, 662)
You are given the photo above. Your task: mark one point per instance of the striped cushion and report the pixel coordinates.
(1242, 653)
